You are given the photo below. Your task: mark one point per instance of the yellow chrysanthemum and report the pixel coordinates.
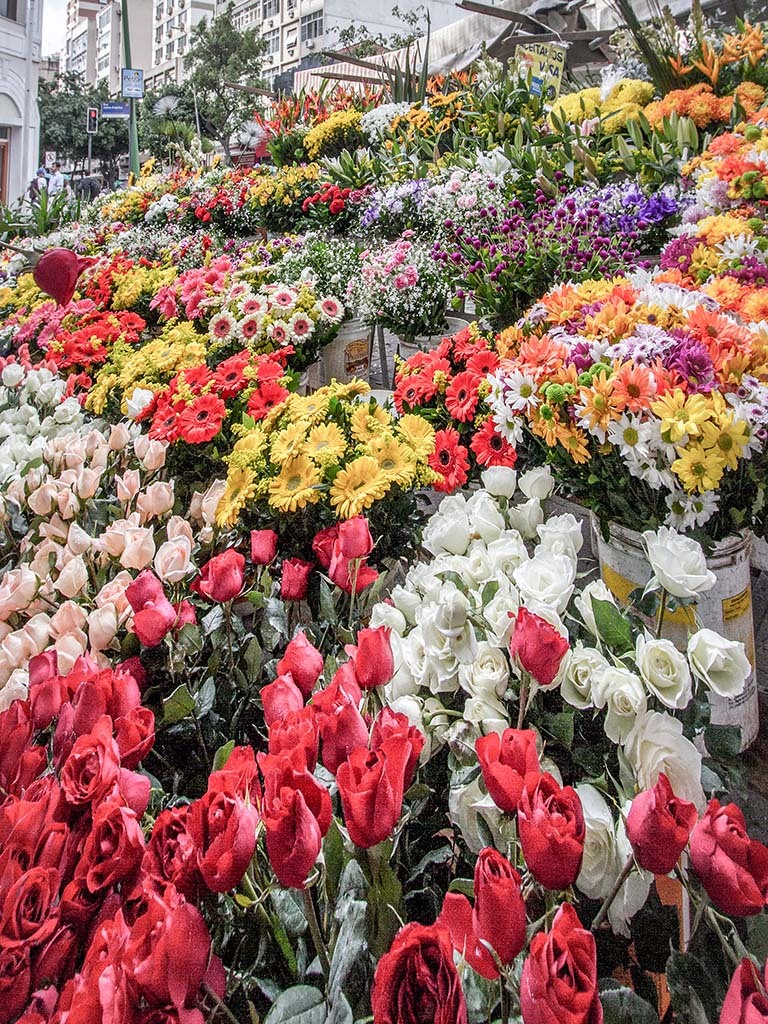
(325, 443)
(395, 459)
(357, 486)
(417, 434)
(240, 489)
(288, 441)
(726, 438)
(296, 486)
(367, 423)
(680, 414)
(699, 469)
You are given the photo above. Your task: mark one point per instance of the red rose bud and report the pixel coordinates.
(746, 1001)
(238, 777)
(57, 272)
(185, 614)
(47, 690)
(145, 589)
(371, 786)
(294, 582)
(171, 855)
(417, 980)
(559, 980)
(280, 698)
(497, 920)
(392, 723)
(296, 730)
(290, 771)
(293, 838)
(350, 575)
(221, 578)
(223, 830)
(355, 540)
(507, 761)
(732, 867)
(342, 728)
(263, 546)
(154, 615)
(323, 544)
(135, 736)
(303, 662)
(537, 647)
(552, 831)
(659, 825)
(372, 658)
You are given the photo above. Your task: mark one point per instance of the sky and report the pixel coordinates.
(54, 25)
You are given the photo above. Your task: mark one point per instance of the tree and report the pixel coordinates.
(221, 55)
(359, 41)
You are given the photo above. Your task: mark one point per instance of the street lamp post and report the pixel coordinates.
(133, 131)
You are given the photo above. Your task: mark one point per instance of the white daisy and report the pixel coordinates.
(631, 434)
(520, 391)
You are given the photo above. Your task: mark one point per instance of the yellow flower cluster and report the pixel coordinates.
(331, 447)
(623, 103)
(284, 187)
(26, 294)
(334, 132)
(140, 283)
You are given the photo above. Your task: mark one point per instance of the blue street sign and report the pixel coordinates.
(116, 109)
(133, 84)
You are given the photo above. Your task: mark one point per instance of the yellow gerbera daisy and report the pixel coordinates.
(288, 442)
(357, 486)
(325, 443)
(395, 459)
(368, 422)
(250, 445)
(417, 434)
(699, 469)
(296, 485)
(311, 408)
(240, 489)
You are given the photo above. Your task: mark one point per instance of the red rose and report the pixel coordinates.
(323, 544)
(371, 785)
(30, 912)
(293, 837)
(498, 917)
(746, 1001)
(537, 647)
(15, 982)
(732, 867)
(16, 728)
(507, 761)
(135, 736)
(171, 853)
(552, 831)
(659, 826)
(154, 622)
(91, 769)
(341, 725)
(238, 777)
(223, 829)
(337, 206)
(221, 578)
(296, 731)
(114, 848)
(294, 582)
(303, 662)
(279, 698)
(185, 614)
(47, 689)
(146, 588)
(56, 960)
(290, 771)
(372, 657)
(355, 540)
(559, 981)
(392, 723)
(417, 981)
(57, 272)
(263, 546)
(349, 574)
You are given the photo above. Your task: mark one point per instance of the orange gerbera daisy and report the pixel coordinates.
(634, 387)
(541, 356)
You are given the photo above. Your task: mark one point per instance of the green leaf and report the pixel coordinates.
(213, 620)
(612, 626)
(623, 1006)
(560, 726)
(301, 1004)
(463, 885)
(351, 942)
(222, 755)
(205, 697)
(253, 657)
(178, 706)
(723, 742)
(691, 989)
(327, 607)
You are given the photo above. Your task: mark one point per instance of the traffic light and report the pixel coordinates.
(92, 120)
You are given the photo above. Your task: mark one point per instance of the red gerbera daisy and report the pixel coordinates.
(202, 419)
(491, 449)
(450, 459)
(196, 377)
(265, 399)
(461, 397)
(414, 390)
(464, 345)
(229, 377)
(165, 422)
(483, 362)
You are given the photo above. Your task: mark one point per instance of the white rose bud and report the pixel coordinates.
(581, 666)
(664, 671)
(537, 483)
(600, 866)
(721, 664)
(678, 563)
(500, 481)
(621, 691)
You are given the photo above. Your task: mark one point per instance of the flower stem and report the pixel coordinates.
(662, 613)
(503, 1000)
(523, 700)
(317, 935)
(353, 593)
(220, 1007)
(602, 912)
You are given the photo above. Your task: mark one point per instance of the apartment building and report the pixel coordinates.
(94, 39)
(21, 31)
(172, 22)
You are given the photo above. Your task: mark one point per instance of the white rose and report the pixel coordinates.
(486, 713)
(562, 535)
(721, 664)
(137, 402)
(546, 579)
(507, 553)
(73, 578)
(448, 533)
(583, 602)
(445, 626)
(621, 691)
(102, 627)
(500, 481)
(601, 865)
(485, 520)
(664, 671)
(656, 744)
(496, 614)
(526, 518)
(678, 562)
(173, 559)
(537, 483)
(18, 589)
(15, 688)
(402, 682)
(385, 614)
(633, 894)
(12, 375)
(581, 666)
(488, 674)
(407, 602)
(466, 806)
(78, 541)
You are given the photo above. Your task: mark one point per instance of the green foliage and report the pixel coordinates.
(63, 105)
(40, 217)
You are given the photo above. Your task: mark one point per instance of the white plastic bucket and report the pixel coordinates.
(309, 380)
(726, 608)
(348, 355)
(407, 349)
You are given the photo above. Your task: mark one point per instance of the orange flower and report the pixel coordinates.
(541, 356)
(598, 406)
(575, 443)
(634, 387)
(545, 423)
(755, 307)
(727, 291)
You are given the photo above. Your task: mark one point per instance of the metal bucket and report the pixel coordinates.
(726, 609)
(348, 356)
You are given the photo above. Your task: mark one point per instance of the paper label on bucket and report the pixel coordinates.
(740, 604)
(356, 356)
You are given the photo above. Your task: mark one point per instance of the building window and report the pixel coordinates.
(9, 9)
(272, 39)
(181, 42)
(270, 9)
(103, 64)
(169, 51)
(160, 11)
(159, 34)
(311, 26)
(159, 56)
